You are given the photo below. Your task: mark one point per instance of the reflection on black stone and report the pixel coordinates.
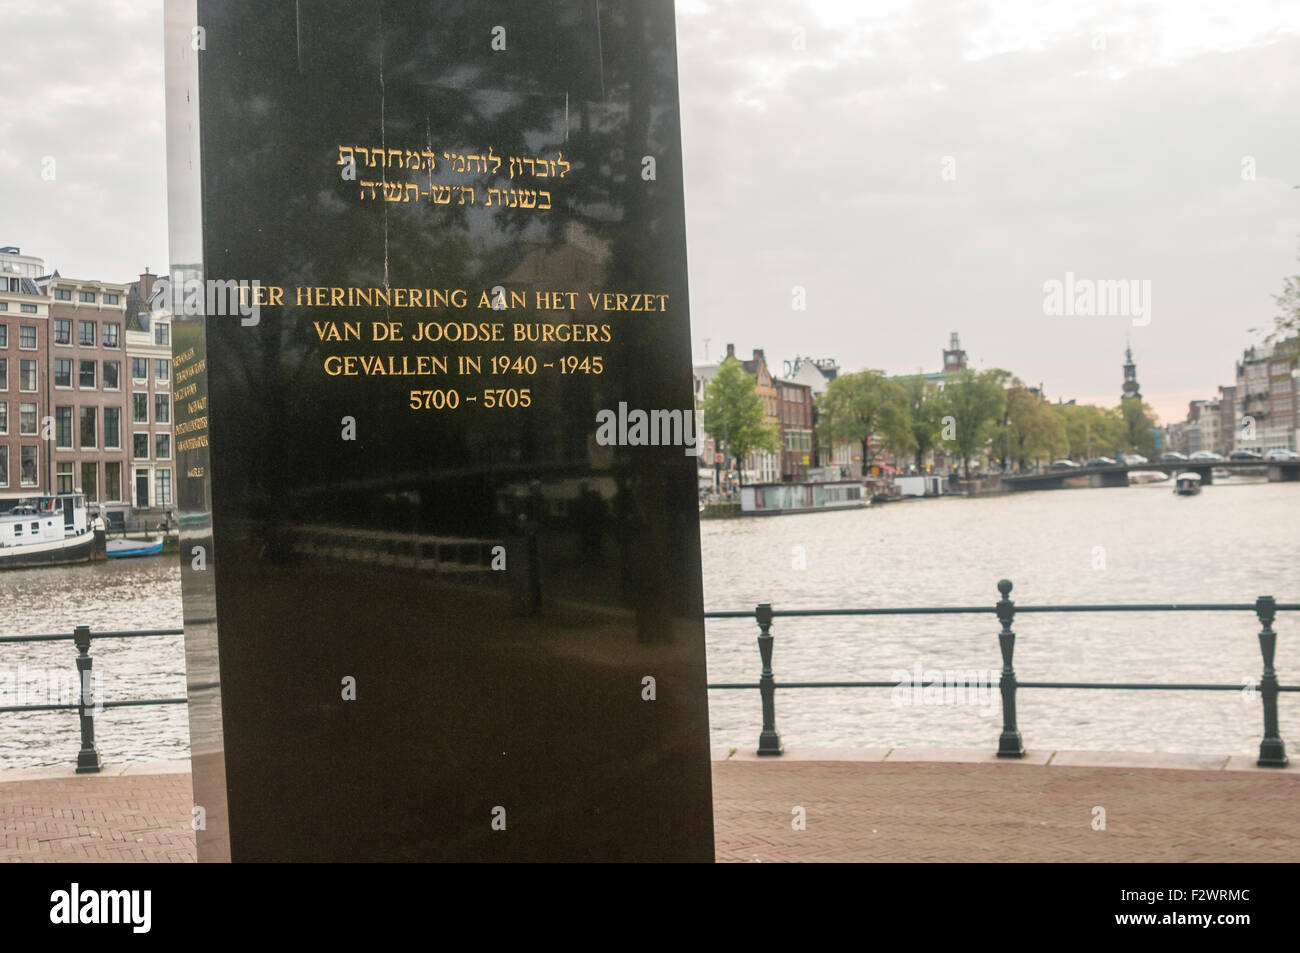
(495, 582)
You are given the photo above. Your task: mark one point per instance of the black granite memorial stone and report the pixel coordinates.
(440, 544)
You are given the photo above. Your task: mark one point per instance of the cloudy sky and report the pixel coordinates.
(917, 168)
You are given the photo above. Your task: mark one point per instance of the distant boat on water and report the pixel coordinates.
(130, 548)
(1187, 484)
(1147, 476)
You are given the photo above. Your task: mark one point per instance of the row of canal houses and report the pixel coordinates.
(790, 404)
(85, 389)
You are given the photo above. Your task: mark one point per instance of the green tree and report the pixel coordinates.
(975, 400)
(855, 407)
(1091, 430)
(1137, 433)
(733, 413)
(924, 416)
(1032, 428)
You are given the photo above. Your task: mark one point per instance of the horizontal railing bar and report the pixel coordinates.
(1136, 686)
(992, 609)
(68, 636)
(75, 707)
(147, 701)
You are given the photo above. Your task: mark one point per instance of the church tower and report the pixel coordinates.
(1130, 377)
(954, 358)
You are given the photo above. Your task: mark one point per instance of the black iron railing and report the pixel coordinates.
(1272, 752)
(86, 705)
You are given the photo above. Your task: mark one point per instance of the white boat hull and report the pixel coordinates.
(56, 552)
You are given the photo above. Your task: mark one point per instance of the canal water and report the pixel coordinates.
(1141, 544)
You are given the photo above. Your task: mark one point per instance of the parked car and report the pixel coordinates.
(1101, 462)
(1064, 465)
(1173, 456)
(1282, 455)
(1134, 459)
(1244, 455)
(1205, 455)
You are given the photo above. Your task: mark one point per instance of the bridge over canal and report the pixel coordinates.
(1279, 471)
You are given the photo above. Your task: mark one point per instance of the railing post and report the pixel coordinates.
(769, 741)
(1272, 753)
(87, 758)
(1009, 742)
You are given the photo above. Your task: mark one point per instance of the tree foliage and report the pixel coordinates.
(1032, 428)
(924, 417)
(855, 407)
(976, 402)
(734, 414)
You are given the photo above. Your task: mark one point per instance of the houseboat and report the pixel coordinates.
(769, 499)
(48, 531)
(1187, 484)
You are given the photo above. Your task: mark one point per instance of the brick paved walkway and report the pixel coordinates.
(142, 817)
(854, 810)
(1001, 812)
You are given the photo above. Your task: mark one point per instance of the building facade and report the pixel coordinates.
(149, 355)
(1266, 391)
(761, 465)
(795, 411)
(88, 451)
(24, 379)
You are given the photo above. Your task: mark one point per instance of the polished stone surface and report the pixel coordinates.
(482, 694)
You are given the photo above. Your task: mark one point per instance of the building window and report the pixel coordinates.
(110, 298)
(62, 294)
(89, 417)
(4, 335)
(140, 446)
(162, 446)
(27, 376)
(111, 332)
(112, 375)
(29, 465)
(90, 481)
(4, 373)
(140, 408)
(4, 417)
(161, 368)
(27, 338)
(28, 309)
(62, 372)
(86, 333)
(112, 481)
(87, 376)
(112, 428)
(27, 419)
(64, 475)
(139, 368)
(62, 331)
(63, 428)
(162, 333)
(161, 409)
(4, 465)
(162, 487)
(87, 297)
(4, 305)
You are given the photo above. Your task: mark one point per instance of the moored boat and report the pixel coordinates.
(130, 548)
(770, 499)
(1187, 484)
(48, 531)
